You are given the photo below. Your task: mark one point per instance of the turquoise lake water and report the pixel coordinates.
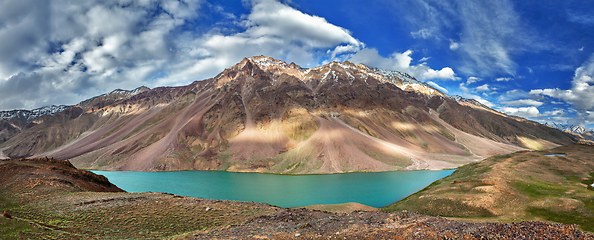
(372, 189)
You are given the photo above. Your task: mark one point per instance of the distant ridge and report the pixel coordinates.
(28, 115)
(579, 130)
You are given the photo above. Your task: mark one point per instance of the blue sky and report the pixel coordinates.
(533, 59)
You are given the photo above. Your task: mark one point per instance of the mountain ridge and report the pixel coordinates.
(264, 115)
(575, 129)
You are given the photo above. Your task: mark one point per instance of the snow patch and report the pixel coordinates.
(29, 115)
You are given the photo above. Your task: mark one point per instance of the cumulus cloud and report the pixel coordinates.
(77, 49)
(65, 51)
(525, 112)
(473, 80)
(272, 29)
(435, 85)
(524, 102)
(483, 88)
(402, 62)
(580, 94)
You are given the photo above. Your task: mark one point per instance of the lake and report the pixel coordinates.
(372, 189)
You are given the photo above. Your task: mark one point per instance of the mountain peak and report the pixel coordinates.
(333, 73)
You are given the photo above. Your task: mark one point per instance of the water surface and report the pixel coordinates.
(372, 189)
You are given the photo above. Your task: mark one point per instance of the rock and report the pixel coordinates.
(297, 234)
(207, 209)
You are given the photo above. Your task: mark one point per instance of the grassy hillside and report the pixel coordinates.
(553, 185)
(53, 200)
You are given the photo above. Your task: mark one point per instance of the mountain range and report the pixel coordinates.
(579, 130)
(265, 115)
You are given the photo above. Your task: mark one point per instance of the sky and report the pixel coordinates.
(533, 59)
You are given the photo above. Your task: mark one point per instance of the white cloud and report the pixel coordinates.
(525, 112)
(423, 33)
(402, 62)
(581, 49)
(558, 112)
(463, 88)
(488, 33)
(270, 18)
(424, 59)
(454, 45)
(272, 29)
(483, 88)
(524, 102)
(582, 90)
(440, 88)
(503, 79)
(65, 51)
(473, 80)
(580, 96)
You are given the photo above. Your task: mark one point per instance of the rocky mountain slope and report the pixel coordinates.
(264, 115)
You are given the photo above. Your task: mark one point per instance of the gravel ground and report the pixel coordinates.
(313, 224)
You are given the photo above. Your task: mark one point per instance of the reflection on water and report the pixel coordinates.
(373, 189)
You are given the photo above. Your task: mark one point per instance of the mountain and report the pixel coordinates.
(264, 115)
(11, 122)
(44, 127)
(579, 130)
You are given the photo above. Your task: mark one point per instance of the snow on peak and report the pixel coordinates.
(405, 81)
(567, 127)
(29, 115)
(266, 62)
(128, 93)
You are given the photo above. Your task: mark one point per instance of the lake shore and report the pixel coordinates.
(45, 200)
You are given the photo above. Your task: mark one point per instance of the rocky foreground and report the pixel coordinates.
(50, 199)
(308, 224)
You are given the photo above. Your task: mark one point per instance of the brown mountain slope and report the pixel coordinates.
(266, 115)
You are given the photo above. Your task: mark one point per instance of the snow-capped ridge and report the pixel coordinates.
(29, 115)
(336, 72)
(568, 127)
